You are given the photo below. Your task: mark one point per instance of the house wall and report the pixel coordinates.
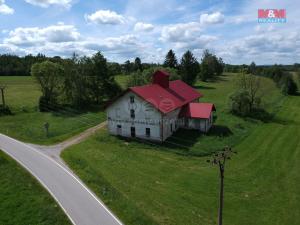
(170, 124)
(146, 116)
(202, 125)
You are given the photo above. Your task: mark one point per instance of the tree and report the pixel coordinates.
(49, 76)
(252, 85)
(189, 68)
(246, 99)
(170, 60)
(114, 68)
(127, 67)
(252, 68)
(211, 66)
(288, 85)
(138, 64)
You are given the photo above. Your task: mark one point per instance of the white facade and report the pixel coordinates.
(202, 125)
(147, 122)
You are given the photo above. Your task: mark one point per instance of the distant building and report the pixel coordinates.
(155, 111)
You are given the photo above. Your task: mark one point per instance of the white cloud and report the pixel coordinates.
(213, 18)
(124, 43)
(146, 27)
(47, 3)
(180, 32)
(105, 17)
(5, 9)
(184, 36)
(34, 35)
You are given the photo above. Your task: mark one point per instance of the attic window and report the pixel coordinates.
(131, 99)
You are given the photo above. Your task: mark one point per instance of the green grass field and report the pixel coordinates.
(27, 123)
(122, 80)
(146, 184)
(23, 200)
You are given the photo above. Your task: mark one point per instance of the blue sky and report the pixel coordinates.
(125, 29)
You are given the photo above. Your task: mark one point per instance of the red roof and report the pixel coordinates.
(167, 99)
(198, 110)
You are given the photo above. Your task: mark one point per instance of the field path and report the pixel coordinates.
(54, 150)
(78, 202)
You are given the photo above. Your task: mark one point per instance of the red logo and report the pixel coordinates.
(271, 15)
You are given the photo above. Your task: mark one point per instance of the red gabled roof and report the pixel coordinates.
(198, 110)
(184, 90)
(167, 99)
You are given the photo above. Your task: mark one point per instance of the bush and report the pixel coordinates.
(240, 103)
(44, 105)
(5, 110)
(288, 85)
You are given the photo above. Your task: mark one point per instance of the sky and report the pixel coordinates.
(125, 29)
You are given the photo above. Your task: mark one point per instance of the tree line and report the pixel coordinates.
(13, 65)
(80, 82)
(188, 69)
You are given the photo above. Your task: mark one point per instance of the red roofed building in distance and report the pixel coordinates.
(155, 111)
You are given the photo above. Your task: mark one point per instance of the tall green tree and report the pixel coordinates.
(171, 60)
(211, 66)
(252, 68)
(127, 67)
(288, 85)
(189, 68)
(49, 75)
(138, 64)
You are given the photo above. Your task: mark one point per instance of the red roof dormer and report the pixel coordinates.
(161, 78)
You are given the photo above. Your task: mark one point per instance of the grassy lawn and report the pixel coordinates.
(148, 184)
(23, 200)
(122, 80)
(228, 129)
(27, 123)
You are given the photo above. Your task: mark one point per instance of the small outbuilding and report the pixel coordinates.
(198, 116)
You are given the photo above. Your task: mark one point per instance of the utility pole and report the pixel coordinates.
(219, 159)
(2, 94)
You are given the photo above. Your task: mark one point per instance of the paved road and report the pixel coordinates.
(80, 204)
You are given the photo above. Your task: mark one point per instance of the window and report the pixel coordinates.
(119, 130)
(132, 131)
(147, 132)
(171, 127)
(132, 113)
(131, 99)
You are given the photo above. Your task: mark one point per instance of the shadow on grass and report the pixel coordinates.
(69, 111)
(183, 141)
(266, 117)
(220, 131)
(203, 87)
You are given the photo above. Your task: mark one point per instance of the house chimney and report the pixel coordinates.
(161, 78)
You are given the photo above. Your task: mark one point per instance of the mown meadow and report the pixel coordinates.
(27, 123)
(23, 200)
(146, 183)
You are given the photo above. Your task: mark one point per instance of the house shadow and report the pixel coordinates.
(203, 87)
(220, 131)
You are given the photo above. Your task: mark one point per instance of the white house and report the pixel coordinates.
(157, 110)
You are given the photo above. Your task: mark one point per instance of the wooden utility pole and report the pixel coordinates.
(219, 159)
(2, 94)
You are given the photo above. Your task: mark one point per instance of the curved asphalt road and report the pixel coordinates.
(79, 203)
